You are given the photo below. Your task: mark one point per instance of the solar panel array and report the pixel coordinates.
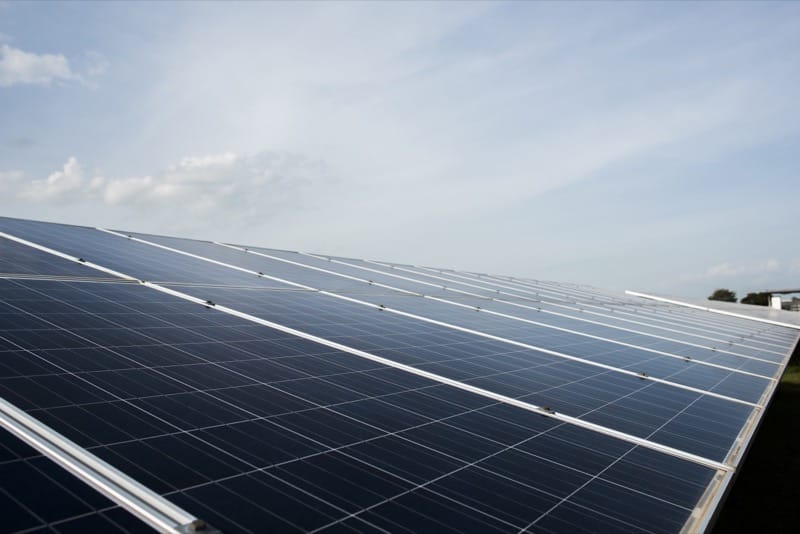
(151, 381)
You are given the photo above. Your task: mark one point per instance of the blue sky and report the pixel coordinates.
(646, 146)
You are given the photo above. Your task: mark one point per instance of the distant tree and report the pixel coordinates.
(725, 295)
(759, 299)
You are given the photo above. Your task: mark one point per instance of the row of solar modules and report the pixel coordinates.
(317, 393)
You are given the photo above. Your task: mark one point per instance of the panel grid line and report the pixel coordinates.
(436, 322)
(578, 295)
(267, 390)
(767, 340)
(579, 310)
(262, 469)
(539, 309)
(526, 406)
(712, 325)
(352, 444)
(508, 316)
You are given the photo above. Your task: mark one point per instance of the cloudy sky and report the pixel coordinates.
(629, 146)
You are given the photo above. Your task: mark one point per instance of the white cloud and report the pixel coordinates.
(235, 188)
(202, 162)
(509, 137)
(500, 116)
(59, 185)
(18, 67)
(125, 189)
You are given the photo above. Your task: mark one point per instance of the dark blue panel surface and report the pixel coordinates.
(18, 259)
(297, 274)
(582, 314)
(621, 402)
(677, 322)
(125, 256)
(253, 429)
(746, 387)
(36, 495)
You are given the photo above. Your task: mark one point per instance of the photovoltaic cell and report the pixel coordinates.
(522, 331)
(292, 273)
(625, 403)
(561, 296)
(747, 387)
(668, 337)
(244, 433)
(17, 260)
(255, 429)
(691, 324)
(672, 330)
(129, 257)
(36, 495)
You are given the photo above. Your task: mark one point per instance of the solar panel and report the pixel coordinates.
(265, 390)
(21, 261)
(37, 495)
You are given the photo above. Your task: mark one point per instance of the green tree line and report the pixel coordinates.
(726, 295)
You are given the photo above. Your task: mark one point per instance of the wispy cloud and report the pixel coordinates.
(238, 189)
(515, 137)
(503, 120)
(737, 269)
(18, 67)
(58, 186)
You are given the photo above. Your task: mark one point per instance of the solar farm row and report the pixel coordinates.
(259, 390)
